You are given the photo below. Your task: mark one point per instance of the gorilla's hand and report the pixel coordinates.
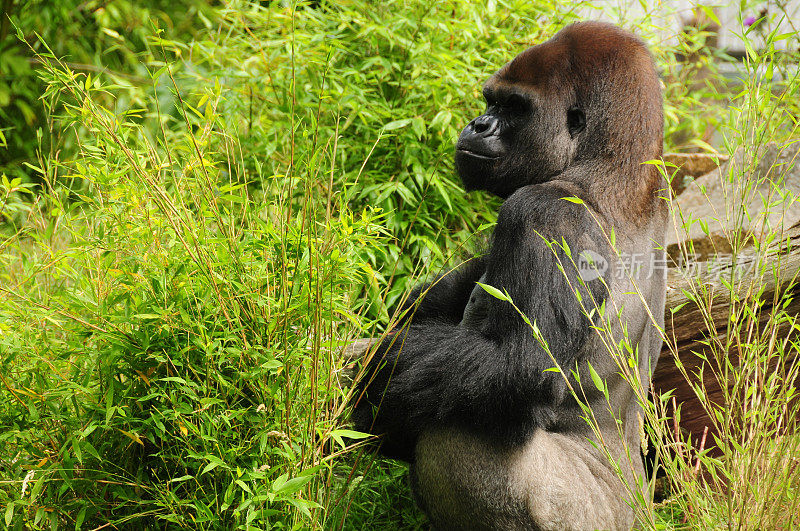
(445, 298)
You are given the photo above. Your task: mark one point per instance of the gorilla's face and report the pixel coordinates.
(527, 135)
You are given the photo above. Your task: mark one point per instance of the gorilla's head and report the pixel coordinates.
(590, 95)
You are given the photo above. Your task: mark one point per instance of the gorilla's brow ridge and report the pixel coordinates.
(501, 92)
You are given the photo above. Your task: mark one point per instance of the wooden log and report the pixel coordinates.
(766, 276)
(690, 166)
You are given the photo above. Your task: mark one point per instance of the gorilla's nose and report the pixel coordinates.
(481, 138)
(484, 125)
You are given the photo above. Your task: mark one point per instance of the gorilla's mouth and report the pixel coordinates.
(477, 155)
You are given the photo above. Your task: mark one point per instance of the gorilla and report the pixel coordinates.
(461, 388)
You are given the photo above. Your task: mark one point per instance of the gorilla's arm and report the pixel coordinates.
(445, 298)
(491, 376)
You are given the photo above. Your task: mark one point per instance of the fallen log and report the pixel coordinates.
(697, 313)
(685, 166)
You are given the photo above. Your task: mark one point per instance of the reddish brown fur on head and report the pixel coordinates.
(608, 76)
(605, 70)
(598, 63)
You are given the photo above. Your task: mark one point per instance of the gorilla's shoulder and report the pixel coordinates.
(554, 207)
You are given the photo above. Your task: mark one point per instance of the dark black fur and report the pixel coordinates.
(489, 378)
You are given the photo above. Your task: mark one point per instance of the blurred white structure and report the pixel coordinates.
(734, 17)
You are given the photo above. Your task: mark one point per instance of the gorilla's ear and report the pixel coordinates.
(576, 121)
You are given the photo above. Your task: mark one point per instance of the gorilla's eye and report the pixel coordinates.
(516, 103)
(576, 121)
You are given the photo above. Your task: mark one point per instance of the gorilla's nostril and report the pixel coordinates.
(484, 125)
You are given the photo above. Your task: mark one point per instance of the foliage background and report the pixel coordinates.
(202, 203)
